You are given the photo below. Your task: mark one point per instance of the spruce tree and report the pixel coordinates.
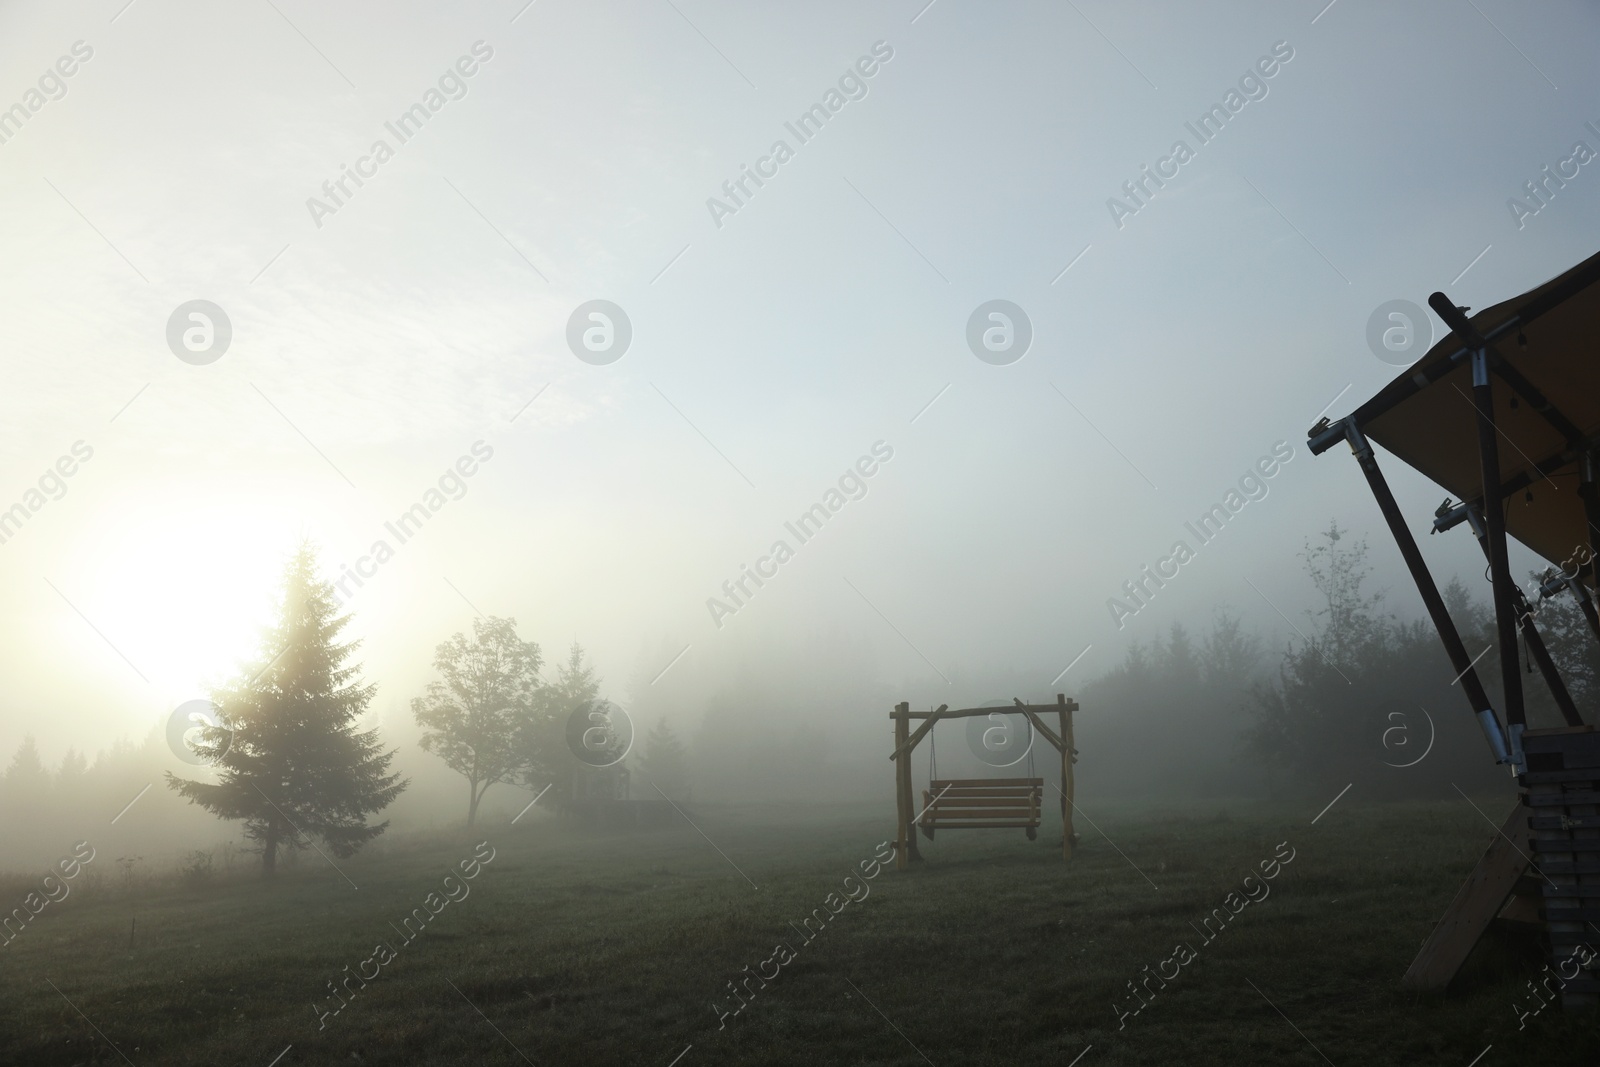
(548, 760)
(71, 779)
(290, 761)
(74, 769)
(666, 763)
(27, 774)
(24, 790)
(575, 684)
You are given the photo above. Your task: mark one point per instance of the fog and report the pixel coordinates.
(785, 337)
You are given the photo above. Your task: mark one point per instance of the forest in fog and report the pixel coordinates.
(1360, 691)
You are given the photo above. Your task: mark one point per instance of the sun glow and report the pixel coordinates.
(184, 598)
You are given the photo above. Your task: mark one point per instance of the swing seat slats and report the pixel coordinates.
(982, 804)
(987, 783)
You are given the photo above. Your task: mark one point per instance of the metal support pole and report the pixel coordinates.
(1530, 633)
(1547, 667)
(1585, 604)
(1505, 608)
(1554, 583)
(1505, 614)
(1442, 622)
(1589, 493)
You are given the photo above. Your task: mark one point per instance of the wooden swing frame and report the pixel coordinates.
(906, 740)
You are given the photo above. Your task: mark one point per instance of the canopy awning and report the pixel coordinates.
(1546, 410)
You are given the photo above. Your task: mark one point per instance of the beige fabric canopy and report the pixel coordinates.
(1550, 338)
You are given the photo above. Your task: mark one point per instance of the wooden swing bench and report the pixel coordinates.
(979, 803)
(982, 804)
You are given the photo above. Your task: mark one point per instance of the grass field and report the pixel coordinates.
(611, 948)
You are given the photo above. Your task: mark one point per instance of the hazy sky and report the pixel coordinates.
(771, 348)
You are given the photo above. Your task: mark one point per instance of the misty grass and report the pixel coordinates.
(611, 948)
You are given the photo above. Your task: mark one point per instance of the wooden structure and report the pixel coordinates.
(1543, 867)
(975, 803)
(1482, 897)
(1447, 416)
(978, 803)
(1561, 799)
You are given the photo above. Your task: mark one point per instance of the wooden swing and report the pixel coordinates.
(981, 803)
(978, 803)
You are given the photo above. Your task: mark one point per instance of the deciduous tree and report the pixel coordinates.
(478, 717)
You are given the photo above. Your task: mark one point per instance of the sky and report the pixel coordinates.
(780, 334)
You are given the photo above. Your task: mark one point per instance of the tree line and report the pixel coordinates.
(292, 764)
(1356, 694)
(1364, 694)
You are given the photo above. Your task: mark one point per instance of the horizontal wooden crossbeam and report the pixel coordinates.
(944, 712)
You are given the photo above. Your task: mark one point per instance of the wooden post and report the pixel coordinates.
(902, 786)
(1067, 760)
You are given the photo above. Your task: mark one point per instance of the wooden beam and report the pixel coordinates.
(1038, 724)
(906, 841)
(987, 785)
(944, 712)
(922, 731)
(901, 774)
(962, 803)
(1477, 903)
(1069, 756)
(961, 713)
